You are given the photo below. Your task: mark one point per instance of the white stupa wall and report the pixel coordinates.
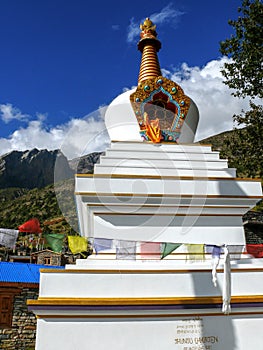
(164, 193)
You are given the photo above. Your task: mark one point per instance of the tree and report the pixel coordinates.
(244, 75)
(244, 147)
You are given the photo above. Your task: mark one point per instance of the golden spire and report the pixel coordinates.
(159, 104)
(149, 45)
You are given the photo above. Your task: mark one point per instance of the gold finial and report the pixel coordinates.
(148, 24)
(148, 29)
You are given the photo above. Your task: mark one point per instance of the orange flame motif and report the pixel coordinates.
(152, 127)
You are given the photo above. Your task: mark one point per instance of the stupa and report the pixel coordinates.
(155, 189)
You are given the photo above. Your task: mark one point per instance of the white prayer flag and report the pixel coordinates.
(8, 237)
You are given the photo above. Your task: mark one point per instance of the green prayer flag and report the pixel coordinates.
(168, 248)
(55, 241)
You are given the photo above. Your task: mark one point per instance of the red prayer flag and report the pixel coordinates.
(32, 226)
(255, 249)
(150, 250)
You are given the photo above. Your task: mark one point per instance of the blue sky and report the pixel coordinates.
(60, 60)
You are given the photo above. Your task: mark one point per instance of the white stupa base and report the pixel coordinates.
(155, 333)
(153, 305)
(155, 193)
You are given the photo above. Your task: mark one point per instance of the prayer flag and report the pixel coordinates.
(255, 250)
(168, 248)
(126, 250)
(77, 244)
(101, 244)
(55, 241)
(32, 226)
(214, 250)
(8, 237)
(235, 251)
(150, 250)
(195, 251)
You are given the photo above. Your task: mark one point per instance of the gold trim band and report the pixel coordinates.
(158, 195)
(145, 301)
(220, 314)
(120, 213)
(124, 176)
(138, 271)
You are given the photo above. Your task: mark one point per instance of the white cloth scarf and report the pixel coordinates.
(226, 308)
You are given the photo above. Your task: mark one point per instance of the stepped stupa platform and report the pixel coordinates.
(164, 193)
(155, 187)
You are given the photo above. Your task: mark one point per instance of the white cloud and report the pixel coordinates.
(84, 135)
(75, 138)
(133, 31)
(8, 112)
(5, 146)
(213, 98)
(168, 15)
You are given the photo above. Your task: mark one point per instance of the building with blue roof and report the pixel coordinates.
(14, 272)
(18, 283)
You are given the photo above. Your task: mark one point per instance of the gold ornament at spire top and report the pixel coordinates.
(148, 29)
(149, 45)
(148, 24)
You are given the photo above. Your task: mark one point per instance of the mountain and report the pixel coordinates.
(27, 188)
(85, 164)
(33, 169)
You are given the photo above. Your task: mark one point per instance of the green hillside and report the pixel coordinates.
(20, 205)
(233, 145)
(228, 143)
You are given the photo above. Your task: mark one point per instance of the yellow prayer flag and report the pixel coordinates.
(77, 244)
(195, 251)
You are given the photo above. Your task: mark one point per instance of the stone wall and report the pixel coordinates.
(253, 227)
(23, 332)
(55, 258)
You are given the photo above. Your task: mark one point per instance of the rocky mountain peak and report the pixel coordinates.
(32, 168)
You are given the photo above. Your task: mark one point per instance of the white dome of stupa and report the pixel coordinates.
(122, 124)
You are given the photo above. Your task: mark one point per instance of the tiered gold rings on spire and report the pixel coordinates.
(149, 45)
